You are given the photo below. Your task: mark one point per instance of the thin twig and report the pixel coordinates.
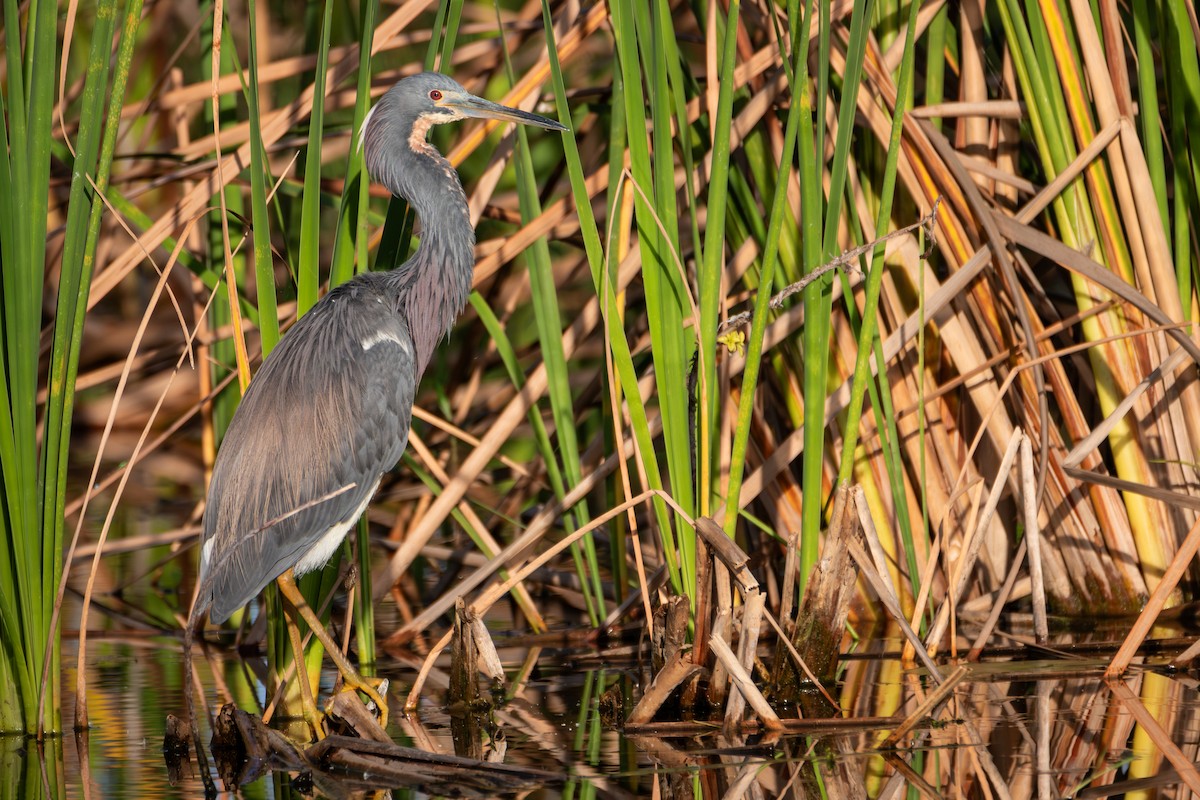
(844, 261)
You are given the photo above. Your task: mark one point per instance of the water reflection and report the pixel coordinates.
(1016, 729)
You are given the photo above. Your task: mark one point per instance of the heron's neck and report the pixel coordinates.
(432, 287)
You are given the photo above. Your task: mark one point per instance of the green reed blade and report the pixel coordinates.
(935, 61)
(310, 208)
(667, 293)
(604, 285)
(815, 335)
(548, 321)
(264, 267)
(711, 265)
(664, 291)
(798, 113)
(32, 538)
(357, 178)
(868, 338)
(349, 244)
(1183, 86)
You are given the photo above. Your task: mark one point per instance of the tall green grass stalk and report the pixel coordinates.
(356, 202)
(868, 338)
(24, 182)
(310, 214)
(1180, 61)
(604, 281)
(800, 110)
(818, 297)
(643, 52)
(711, 266)
(264, 266)
(34, 478)
(549, 329)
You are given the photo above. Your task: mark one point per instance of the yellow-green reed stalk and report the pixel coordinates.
(617, 201)
(1159, 694)
(935, 61)
(353, 212)
(1051, 82)
(880, 393)
(264, 269)
(228, 204)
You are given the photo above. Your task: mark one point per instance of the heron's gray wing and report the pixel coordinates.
(326, 415)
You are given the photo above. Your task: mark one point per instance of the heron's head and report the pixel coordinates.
(414, 104)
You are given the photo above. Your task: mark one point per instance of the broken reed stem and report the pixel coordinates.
(927, 707)
(737, 562)
(1158, 599)
(966, 564)
(1033, 535)
(883, 588)
(790, 565)
(675, 672)
(795, 654)
(719, 679)
(1014, 570)
(746, 689)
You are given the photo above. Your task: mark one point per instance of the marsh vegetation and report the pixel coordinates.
(678, 442)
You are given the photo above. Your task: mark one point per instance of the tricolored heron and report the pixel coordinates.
(328, 412)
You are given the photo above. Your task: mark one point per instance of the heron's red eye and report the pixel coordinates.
(435, 95)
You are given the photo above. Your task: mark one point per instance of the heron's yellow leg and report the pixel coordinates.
(311, 715)
(350, 676)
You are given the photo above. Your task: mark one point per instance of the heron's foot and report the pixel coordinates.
(374, 688)
(313, 718)
(316, 723)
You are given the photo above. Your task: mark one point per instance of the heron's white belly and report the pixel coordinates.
(322, 551)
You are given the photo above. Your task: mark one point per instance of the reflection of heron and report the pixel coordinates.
(328, 413)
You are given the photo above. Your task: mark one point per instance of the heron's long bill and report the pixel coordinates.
(472, 106)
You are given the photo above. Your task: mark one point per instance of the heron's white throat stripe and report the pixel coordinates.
(380, 338)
